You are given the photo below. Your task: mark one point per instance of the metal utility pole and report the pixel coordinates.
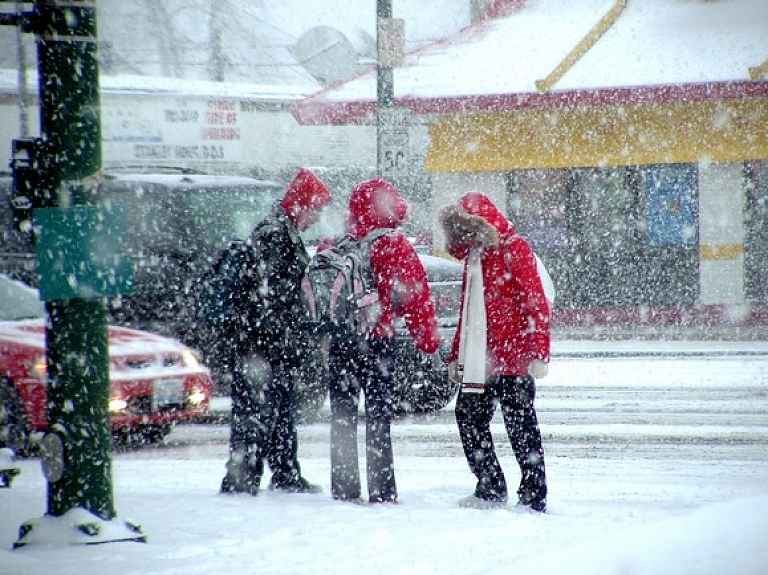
(22, 78)
(61, 170)
(385, 83)
(217, 61)
(391, 124)
(76, 338)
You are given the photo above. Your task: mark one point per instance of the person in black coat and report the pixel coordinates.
(269, 354)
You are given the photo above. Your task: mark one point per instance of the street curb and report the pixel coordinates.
(607, 354)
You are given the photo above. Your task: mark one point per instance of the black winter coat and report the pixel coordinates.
(277, 313)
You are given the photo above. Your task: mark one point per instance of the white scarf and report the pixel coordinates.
(472, 341)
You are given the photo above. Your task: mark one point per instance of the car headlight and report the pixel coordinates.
(196, 398)
(39, 369)
(117, 404)
(189, 358)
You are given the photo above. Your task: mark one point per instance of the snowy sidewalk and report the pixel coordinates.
(682, 348)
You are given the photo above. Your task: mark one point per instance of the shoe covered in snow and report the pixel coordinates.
(536, 504)
(353, 500)
(475, 502)
(229, 485)
(300, 485)
(376, 499)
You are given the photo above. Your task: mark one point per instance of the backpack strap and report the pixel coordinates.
(374, 235)
(363, 249)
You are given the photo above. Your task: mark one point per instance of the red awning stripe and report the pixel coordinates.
(318, 111)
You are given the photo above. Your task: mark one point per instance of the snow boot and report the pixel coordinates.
(300, 485)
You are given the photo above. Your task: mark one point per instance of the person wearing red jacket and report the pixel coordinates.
(403, 292)
(502, 343)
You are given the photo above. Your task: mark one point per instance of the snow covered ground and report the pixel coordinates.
(656, 465)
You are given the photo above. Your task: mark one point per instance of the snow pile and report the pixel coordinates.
(722, 539)
(76, 527)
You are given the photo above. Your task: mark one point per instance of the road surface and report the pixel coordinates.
(702, 408)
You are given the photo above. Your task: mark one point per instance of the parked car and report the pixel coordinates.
(177, 220)
(178, 224)
(154, 381)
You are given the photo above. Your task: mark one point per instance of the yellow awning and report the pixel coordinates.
(656, 133)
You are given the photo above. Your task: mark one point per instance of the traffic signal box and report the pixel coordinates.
(32, 185)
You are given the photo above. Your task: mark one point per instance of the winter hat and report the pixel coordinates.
(306, 192)
(375, 204)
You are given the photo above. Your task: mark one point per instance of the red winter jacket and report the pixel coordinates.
(517, 312)
(400, 276)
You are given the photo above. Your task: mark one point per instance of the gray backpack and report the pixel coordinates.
(340, 292)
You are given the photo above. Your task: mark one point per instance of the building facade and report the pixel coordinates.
(629, 146)
(642, 202)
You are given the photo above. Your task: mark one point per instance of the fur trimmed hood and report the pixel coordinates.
(472, 221)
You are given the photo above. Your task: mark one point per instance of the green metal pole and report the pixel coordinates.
(76, 336)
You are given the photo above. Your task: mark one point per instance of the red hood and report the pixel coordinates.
(305, 193)
(375, 204)
(478, 204)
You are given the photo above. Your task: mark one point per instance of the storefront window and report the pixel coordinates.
(612, 237)
(756, 226)
(537, 207)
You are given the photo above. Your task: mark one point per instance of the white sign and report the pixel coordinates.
(172, 130)
(393, 143)
(391, 42)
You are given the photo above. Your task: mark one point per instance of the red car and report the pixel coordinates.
(154, 381)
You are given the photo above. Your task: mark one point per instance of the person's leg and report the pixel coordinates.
(345, 397)
(474, 412)
(246, 440)
(378, 383)
(283, 446)
(523, 429)
(282, 450)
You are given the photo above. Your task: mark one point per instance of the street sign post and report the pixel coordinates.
(393, 143)
(391, 123)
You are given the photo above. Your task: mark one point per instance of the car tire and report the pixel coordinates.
(15, 431)
(157, 433)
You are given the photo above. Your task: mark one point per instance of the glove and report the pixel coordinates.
(453, 372)
(538, 369)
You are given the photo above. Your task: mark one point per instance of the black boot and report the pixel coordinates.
(300, 485)
(243, 475)
(528, 499)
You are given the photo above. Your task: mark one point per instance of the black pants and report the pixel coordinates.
(474, 412)
(373, 372)
(263, 424)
